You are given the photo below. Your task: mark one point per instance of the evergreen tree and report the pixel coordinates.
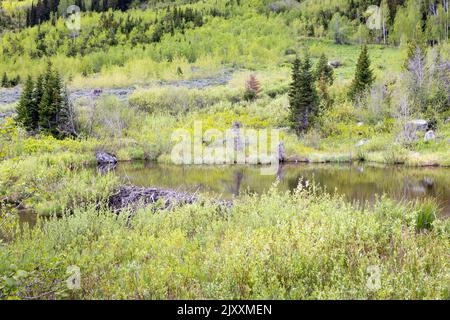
(51, 103)
(66, 121)
(38, 90)
(26, 108)
(302, 95)
(324, 71)
(364, 77)
(324, 75)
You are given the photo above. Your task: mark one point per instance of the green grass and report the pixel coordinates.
(277, 246)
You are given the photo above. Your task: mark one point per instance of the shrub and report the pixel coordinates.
(258, 249)
(395, 154)
(427, 211)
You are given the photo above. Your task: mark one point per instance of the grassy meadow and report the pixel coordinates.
(304, 244)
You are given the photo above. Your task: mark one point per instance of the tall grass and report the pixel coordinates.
(277, 246)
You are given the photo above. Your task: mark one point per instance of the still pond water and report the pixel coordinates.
(362, 183)
(358, 183)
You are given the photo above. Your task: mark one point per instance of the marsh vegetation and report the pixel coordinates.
(367, 108)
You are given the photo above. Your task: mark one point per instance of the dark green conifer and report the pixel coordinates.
(302, 95)
(26, 115)
(323, 71)
(364, 77)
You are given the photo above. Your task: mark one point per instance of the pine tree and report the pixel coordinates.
(38, 90)
(302, 95)
(324, 71)
(26, 116)
(66, 125)
(364, 77)
(51, 103)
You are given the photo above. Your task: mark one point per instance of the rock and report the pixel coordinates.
(417, 125)
(430, 136)
(412, 127)
(447, 121)
(360, 124)
(105, 157)
(335, 64)
(361, 143)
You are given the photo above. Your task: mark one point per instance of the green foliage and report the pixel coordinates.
(28, 108)
(427, 211)
(323, 71)
(395, 154)
(9, 83)
(364, 77)
(303, 99)
(196, 252)
(339, 29)
(44, 105)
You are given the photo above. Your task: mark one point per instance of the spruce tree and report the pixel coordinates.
(66, 125)
(323, 71)
(51, 103)
(38, 91)
(302, 95)
(26, 116)
(364, 77)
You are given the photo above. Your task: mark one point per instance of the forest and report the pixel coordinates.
(95, 94)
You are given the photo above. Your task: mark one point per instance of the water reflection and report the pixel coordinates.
(357, 182)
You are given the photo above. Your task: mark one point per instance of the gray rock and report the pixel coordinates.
(105, 157)
(447, 121)
(417, 125)
(412, 128)
(335, 64)
(430, 136)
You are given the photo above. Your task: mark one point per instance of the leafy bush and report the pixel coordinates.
(395, 154)
(427, 212)
(258, 249)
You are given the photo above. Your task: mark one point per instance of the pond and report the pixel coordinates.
(357, 182)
